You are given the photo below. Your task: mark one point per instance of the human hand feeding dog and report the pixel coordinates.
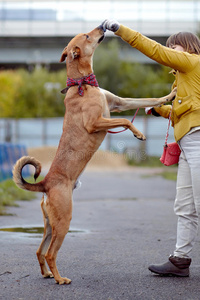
(86, 121)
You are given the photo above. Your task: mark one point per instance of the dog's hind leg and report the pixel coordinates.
(59, 210)
(45, 243)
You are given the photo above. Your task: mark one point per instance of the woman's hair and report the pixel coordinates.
(189, 41)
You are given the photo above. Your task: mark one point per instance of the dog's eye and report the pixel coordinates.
(87, 36)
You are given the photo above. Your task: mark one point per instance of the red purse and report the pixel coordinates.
(171, 151)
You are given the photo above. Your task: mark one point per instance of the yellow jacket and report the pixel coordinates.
(186, 106)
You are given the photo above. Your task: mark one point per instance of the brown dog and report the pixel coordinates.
(85, 125)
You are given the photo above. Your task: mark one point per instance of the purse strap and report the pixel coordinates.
(167, 134)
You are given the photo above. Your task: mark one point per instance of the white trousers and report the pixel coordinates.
(187, 202)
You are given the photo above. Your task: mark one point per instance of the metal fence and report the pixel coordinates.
(47, 132)
(17, 135)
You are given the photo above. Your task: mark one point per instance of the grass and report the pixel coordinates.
(169, 175)
(10, 193)
(147, 161)
(154, 162)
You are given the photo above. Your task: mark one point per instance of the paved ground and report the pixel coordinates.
(127, 222)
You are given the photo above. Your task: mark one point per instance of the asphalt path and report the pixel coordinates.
(122, 222)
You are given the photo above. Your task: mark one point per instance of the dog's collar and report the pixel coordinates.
(90, 79)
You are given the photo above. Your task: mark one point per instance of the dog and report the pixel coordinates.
(86, 121)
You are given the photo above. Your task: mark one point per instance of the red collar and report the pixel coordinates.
(89, 79)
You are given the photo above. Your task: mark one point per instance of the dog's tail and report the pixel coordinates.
(18, 178)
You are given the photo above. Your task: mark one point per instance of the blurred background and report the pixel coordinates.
(32, 37)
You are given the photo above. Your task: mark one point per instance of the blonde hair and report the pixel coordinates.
(189, 41)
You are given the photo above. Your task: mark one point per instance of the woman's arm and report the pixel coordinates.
(182, 61)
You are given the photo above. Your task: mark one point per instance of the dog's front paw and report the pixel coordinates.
(169, 97)
(140, 137)
(172, 95)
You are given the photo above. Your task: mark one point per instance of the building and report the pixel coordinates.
(33, 31)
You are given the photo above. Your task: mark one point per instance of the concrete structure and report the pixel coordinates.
(36, 31)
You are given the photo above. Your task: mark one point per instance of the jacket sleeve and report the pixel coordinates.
(178, 60)
(163, 110)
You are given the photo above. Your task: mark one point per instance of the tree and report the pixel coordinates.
(10, 84)
(36, 94)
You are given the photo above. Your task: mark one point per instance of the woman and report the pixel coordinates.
(182, 55)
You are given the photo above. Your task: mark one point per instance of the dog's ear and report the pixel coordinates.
(64, 55)
(74, 53)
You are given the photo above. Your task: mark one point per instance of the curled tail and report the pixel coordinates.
(19, 180)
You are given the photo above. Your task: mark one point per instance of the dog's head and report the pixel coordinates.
(82, 46)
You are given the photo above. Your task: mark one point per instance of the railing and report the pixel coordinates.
(47, 132)
(17, 135)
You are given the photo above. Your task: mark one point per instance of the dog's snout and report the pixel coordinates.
(101, 27)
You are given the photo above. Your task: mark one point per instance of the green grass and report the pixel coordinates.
(169, 175)
(10, 193)
(147, 161)
(154, 162)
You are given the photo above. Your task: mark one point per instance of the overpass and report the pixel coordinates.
(33, 31)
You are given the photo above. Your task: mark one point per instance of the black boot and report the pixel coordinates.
(176, 266)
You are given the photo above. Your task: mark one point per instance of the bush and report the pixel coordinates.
(40, 94)
(10, 85)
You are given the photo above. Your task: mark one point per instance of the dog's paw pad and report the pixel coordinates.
(141, 138)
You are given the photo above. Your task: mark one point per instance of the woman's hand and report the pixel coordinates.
(111, 25)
